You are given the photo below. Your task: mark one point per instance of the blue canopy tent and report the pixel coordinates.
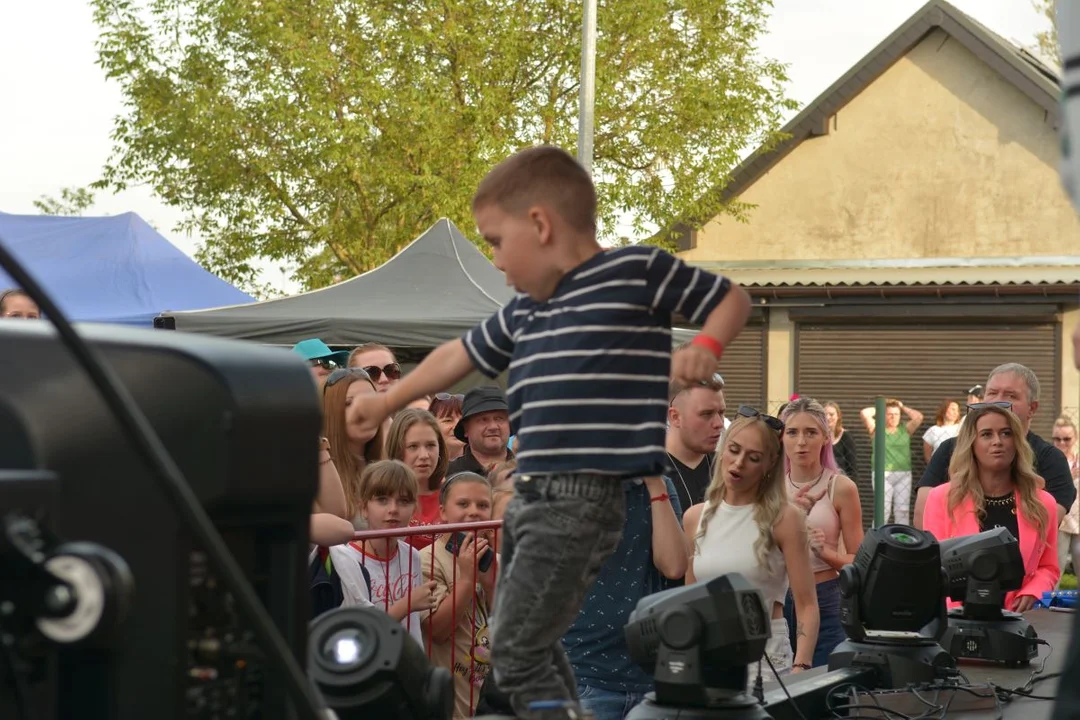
(111, 269)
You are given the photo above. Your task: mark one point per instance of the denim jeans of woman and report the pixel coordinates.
(830, 633)
(605, 704)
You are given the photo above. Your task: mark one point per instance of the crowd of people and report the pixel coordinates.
(765, 496)
(628, 473)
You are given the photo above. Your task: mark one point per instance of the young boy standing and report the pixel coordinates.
(588, 347)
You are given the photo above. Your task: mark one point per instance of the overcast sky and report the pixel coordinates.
(58, 109)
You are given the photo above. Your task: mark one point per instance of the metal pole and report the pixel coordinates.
(879, 462)
(587, 91)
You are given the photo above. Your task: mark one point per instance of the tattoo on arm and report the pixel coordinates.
(799, 631)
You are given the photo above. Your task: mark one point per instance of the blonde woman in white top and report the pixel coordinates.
(747, 525)
(1064, 438)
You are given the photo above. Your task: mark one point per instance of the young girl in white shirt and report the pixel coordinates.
(387, 500)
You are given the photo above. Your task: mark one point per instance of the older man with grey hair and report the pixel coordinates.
(1016, 384)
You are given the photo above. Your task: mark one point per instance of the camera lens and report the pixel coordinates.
(345, 649)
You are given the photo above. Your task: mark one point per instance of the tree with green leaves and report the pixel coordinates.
(327, 134)
(72, 201)
(1047, 41)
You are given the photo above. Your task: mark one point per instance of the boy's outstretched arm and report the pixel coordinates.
(446, 366)
(697, 361)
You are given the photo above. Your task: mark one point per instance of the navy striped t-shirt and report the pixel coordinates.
(589, 368)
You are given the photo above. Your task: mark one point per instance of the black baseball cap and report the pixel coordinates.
(977, 391)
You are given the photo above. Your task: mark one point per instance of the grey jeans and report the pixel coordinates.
(557, 532)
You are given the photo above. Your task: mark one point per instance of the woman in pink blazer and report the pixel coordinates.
(992, 484)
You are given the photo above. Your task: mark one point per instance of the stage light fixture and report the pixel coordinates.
(980, 570)
(697, 641)
(367, 665)
(892, 607)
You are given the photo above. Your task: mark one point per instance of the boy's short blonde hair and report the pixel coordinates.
(543, 175)
(388, 478)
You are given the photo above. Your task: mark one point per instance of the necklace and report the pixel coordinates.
(682, 480)
(1001, 500)
(800, 486)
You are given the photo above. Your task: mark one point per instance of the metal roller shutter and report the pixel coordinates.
(743, 368)
(922, 365)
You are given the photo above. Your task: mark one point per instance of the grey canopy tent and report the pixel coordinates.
(432, 291)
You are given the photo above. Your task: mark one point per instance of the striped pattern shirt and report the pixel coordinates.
(589, 368)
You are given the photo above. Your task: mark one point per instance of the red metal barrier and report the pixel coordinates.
(434, 531)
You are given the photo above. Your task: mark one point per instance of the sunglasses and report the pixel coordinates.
(1058, 439)
(773, 422)
(443, 397)
(324, 363)
(392, 371)
(1003, 404)
(341, 373)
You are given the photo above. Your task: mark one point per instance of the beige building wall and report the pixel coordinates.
(939, 157)
(780, 356)
(1070, 377)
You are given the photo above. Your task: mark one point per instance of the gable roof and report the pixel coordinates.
(1030, 75)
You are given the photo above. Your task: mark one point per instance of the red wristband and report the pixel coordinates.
(709, 343)
(658, 498)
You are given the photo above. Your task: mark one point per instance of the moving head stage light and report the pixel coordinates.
(698, 641)
(892, 607)
(242, 423)
(367, 666)
(981, 569)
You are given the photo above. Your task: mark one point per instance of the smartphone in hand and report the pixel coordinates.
(454, 546)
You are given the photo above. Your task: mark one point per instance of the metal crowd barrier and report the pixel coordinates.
(435, 533)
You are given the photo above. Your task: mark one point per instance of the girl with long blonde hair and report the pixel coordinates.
(747, 525)
(992, 483)
(350, 448)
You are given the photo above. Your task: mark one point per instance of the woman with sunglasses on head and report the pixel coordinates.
(416, 439)
(833, 512)
(351, 449)
(1064, 439)
(447, 407)
(747, 525)
(992, 484)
